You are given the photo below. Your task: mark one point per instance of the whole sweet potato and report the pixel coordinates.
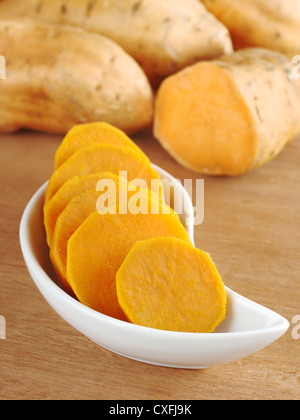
(162, 35)
(59, 76)
(273, 24)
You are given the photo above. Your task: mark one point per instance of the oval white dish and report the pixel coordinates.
(248, 326)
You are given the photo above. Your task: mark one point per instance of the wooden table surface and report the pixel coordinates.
(251, 229)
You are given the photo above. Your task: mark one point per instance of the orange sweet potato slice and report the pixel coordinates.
(80, 207)
(83, 135)
(71, 188)
(101, 158)
(98, 247)
(166, 283)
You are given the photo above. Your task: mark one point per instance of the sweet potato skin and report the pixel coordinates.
(75, 77)
(272, 95)
(262, 78)
(273, 24)
(163, 36)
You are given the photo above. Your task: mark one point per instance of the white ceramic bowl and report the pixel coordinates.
(248, 327)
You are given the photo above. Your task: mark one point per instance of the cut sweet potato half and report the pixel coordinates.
(230, 115)
(203, 121)
(83, 135)
(98, 247)
(101, 158)
(166, 283)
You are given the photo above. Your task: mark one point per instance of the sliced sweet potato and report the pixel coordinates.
(67, 222)
(98, 247)
(166, 283)
(83, 135)
(71, 188)
(101, 158)
(81, 206)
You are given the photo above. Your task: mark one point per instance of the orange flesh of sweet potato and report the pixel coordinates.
(101, 158)
(200, 112)
(166, 283)
(230, 115)
(71, 188)
(98, 247)
(67, 222)
(83, 135)
(78, 209)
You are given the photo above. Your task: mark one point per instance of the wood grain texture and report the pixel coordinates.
(252, 231)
